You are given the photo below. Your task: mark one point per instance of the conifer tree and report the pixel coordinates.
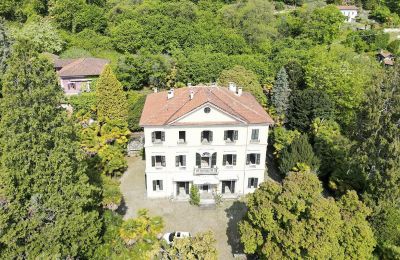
(281, 92)
(112, 103)
(48, 208)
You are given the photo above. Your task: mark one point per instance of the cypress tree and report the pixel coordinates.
(47, 208)
(281, 92)
(111, 99)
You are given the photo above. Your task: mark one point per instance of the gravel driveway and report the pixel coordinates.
(181, 216)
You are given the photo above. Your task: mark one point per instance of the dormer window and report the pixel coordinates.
(230, 136)
(206, 137)
(207, 110)
(157, 137)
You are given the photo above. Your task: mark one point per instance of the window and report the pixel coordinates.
(229, 159)
(253, 183)
(157, 185)
(206, 137)
(206, 160)
(71, 85)
(253, 159)
(180, 161)
(207, 110)
(182, 137)
(157, 137)
(228, 187)
(158, 161)
(230, 136)
(254, 135)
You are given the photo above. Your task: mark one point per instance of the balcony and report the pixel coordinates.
(206, 171)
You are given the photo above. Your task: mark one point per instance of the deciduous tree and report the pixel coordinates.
(294, 220)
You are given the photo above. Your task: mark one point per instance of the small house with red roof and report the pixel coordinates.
(76, 75)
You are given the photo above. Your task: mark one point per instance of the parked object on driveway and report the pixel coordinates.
(170, 237)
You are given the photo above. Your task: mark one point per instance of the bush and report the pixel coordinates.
(279, 6)
(112, 195)
(194, 195)
(135, 107)
(300, 152)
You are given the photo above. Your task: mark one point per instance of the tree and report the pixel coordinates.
(324, 23)
(246, 79)
(135, 107)
(49, 208)
(282, 138)
(43, 36)
(10, 9)
(331, 147)
(305, 106)
(5, 49)
(293, 220)
(194, 195)
(200, 246)
(65, 12)
(111, 99)
(141, 229)
(299, 152)
(280, 93)
(127, 36)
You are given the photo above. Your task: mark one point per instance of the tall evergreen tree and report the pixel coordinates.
(281, 92)
(112, 103)
(48, 208)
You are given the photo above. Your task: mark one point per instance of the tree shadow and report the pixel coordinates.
(122, 208)
(272, 167)
(235, 213)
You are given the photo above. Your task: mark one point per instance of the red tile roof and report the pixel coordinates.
(158, 110)
(80, 67)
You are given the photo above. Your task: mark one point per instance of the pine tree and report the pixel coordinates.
(48, 208)
(281, 92)
(111, 99)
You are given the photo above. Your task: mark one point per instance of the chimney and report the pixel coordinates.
(232, 87)
(155, 90)
(191, 94)
(239, 91)
(170, 93)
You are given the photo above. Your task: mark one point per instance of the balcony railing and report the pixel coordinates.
(205, 171)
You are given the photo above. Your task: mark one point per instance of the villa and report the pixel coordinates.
(350, 11)
(209, 136)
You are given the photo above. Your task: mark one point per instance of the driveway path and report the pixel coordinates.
(181, 216)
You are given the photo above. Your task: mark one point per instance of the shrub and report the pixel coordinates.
(194, 195)
(135, 106)
(112, 195)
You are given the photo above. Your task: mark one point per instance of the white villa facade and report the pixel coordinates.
(351, 12)
(211, 137)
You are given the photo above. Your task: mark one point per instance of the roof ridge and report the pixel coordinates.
(169, 118)
(240, 116)
(242, 104)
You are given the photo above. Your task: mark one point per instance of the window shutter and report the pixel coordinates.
(233, 186)
(163, 161)
(153, 161)
(256, 134)
(154, 185)
(183, 160)
(249, 183)
(201, 136)
(161, 185)
(255, 182)
(198, 159)
(153, 136)
(187, 187)
(225, 135)
(223, 188)
(213, 159)
(258, 158)
(211, 136)
(163, 136)
(224, 159)
(177, 161)
(253, 134)
(234, 159)
(236, 133)
(248, 159)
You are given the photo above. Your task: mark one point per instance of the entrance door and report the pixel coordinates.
(182, 188)
(204, 188)
(228, 187)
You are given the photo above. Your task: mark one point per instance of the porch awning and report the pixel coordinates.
(206, 180)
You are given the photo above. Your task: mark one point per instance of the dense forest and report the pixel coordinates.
(336, 109)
